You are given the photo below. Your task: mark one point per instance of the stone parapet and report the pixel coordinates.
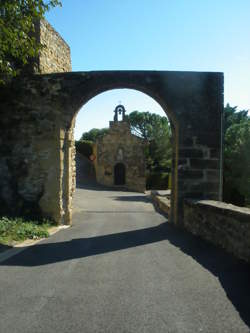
(225, 225)
(163, 203)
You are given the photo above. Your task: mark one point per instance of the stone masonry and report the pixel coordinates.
(54, 56)
(225, 225)
(36, 135)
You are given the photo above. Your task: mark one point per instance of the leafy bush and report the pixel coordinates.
(18, 229)
(93, 134)
(84, 147)
(236, 157)
(157, 181)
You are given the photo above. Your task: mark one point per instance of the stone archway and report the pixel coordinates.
(38, 165)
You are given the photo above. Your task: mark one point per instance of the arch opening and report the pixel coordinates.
(155, 173)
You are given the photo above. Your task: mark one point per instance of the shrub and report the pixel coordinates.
(84, 147)
(18, 229)
(157, 181)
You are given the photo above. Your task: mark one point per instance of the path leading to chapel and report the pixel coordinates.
(122, 268)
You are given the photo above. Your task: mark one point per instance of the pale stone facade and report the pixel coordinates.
(120, 157)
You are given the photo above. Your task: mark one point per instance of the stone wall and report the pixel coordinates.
(36, 154)
(55, 55)
(120, 137)
(223, 224)
(30, 145)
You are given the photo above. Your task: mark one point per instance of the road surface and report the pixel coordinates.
(122, 268)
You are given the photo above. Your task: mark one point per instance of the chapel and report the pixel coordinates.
(120, 155)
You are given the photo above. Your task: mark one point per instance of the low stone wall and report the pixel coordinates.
(223, 224)
(163, 203)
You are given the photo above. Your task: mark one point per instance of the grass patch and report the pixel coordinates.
(13, 230)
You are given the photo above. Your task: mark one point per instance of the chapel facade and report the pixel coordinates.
(120, 155)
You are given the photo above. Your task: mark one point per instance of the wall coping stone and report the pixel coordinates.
(223, 208)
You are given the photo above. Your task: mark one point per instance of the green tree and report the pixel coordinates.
(156, 131)
(236, 156)
(93, 134)
(17, 39)
(232, 116)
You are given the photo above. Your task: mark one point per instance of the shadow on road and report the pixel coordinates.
(133, 198)
(234, 275)
(5, 247)
(97, 187)
(48, 253)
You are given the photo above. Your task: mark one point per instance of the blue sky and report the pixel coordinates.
(195, 35)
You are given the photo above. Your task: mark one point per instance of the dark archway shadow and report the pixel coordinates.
(233, 274)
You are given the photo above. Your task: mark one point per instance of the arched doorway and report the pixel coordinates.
(136, 142)
(191, 137)
(148, 90)
(119, 174)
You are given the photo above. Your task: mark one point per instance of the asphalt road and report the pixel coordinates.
(122, 268)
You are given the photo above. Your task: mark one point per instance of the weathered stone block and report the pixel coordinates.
(204, 187)
(212, 175)
(191, 153)
(215, 153)
(190, 174)
(199, 163)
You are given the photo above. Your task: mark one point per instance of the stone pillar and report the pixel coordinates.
(198, 166)
(174, 175)
(68, 173)
(51, 203)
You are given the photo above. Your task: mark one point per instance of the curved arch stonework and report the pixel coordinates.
(37, 122)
